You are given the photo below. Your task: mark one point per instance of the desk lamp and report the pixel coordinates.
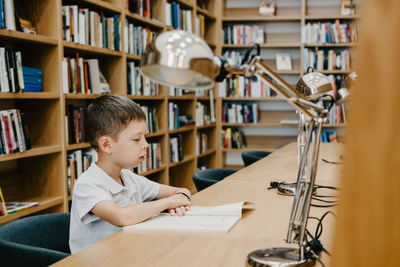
(181, 59)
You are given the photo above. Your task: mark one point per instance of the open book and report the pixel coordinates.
(198, 219)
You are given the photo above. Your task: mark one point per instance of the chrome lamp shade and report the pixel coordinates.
(180, 59)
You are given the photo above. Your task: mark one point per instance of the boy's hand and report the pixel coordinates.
(179, 210)
(179, 204)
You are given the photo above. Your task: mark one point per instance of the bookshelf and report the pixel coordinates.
(282, 34)
(40, 174)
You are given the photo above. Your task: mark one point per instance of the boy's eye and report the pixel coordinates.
(136, 140)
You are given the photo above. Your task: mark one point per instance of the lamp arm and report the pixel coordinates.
(257, 67)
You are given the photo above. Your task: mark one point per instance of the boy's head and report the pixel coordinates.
(110, 115)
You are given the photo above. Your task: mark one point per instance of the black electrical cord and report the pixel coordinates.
(314, 247)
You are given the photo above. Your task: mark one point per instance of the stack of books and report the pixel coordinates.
(33, 79)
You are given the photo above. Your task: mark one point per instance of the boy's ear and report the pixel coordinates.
(105, 144)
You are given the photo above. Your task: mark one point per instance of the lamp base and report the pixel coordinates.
(289, 189)
(277, 257)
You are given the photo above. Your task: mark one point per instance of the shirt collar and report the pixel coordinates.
(108, 181)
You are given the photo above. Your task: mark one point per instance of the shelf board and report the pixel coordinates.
(261, 18)
(36, 151)
(182, 129)
(203, 98)
(206, 126)
(230, 98)
(335, 71)
(184, 97)
(144, 20)
(209, 152)
(156, 134)
(133, 56)
(248, 149)
(91, 49)
(153, 171)
(330, 17)
(206, 13)
(339, 125)
(82, 96)
(146, 97)
(264, 45)
(333, 45)
(185, 3)
(185, 159)
(225, 124)
(103, 5)
(44, 203)
(78, 146)
(26, 37)
(28, 95)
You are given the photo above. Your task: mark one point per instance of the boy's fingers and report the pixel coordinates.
(172, 212)
(179, 211)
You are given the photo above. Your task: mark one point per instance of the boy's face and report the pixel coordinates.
(130, 149)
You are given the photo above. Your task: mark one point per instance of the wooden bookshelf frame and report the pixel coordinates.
(301, 14)
(52, 195)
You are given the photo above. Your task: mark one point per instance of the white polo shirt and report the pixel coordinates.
(93, 186)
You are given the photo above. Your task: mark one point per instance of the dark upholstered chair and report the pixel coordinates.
(249, 157)
(204, 178)
(35, 241)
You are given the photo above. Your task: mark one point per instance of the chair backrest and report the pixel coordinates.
(205, 178)
(35, 241)
(249, 157)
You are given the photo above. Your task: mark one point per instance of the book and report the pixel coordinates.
(347, 7)
(3, 209)
(267, 8)
(283, 61)
(8, 6)
(199, 219)
(15, 206)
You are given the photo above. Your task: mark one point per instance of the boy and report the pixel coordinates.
(108, 196)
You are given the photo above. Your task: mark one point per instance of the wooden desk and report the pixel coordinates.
(263, 226)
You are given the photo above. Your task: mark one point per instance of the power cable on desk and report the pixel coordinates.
(314, 246)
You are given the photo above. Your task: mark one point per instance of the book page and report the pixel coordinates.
(232, 209)
(199, 219)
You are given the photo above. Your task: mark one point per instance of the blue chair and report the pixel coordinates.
(249, 157)
(38, 240)
(205, 178)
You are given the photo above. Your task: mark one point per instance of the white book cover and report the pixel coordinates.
(64, 68)
(92, 28)
(197, 26)
(82, 30)
(78, 160)
(18, 132)
(75, 20)
(12, 134)
(199, 219)
(283, 61)
(188, 15)
(4, 86)
(67, 30)
(126, 38)
(18, 58)
(9, 14)
(168, 16)
(94, 76)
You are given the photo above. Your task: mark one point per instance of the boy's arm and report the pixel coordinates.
(135, 213)
(166, 191)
